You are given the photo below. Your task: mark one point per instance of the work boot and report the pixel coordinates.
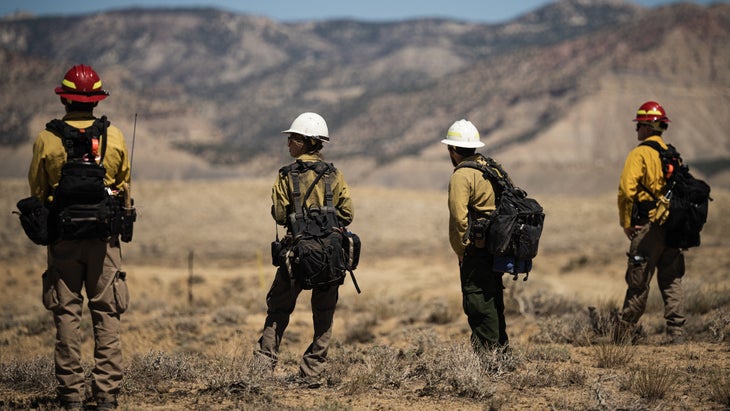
(304, 381)
(675, 335)
(311, 382)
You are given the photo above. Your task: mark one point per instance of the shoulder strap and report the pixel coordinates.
(669, 153)
(323, 170)
(663, 157)
(492, 171)
(75, 146)
(653, 144)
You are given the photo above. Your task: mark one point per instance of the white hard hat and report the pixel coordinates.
(310, 125)
(463, 134)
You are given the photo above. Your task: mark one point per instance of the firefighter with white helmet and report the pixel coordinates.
(470, 192)
(78, 260)
(309, 125)
(463, 134)
(642, 182)
(305, 138)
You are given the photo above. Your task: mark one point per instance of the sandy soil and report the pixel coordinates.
(407, 274)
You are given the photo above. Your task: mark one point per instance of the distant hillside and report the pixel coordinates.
(552, 91)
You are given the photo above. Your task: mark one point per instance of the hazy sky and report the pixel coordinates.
(489, 11)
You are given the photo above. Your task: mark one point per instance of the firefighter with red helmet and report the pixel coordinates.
(642, 182)
(76, 261)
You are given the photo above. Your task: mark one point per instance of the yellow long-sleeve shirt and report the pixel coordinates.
(282, 194)
(49, 156)
(468, 189)
(642, 171)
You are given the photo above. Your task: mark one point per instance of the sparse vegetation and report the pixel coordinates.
(401, 344)
(611, 355)
(32, 375)
(653, 381)
(719, 379)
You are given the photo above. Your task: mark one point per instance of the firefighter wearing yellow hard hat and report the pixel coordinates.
(469, 192)
(641, 212)
(92, 264)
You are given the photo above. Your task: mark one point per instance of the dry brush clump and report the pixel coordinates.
(456, 370)
(720, 386)
(233, 377)
(574, 328)
(547, 365)
(612, 355)
(653, 381)
(427, 364)
(719, 325)
(157, 371)
(382, 367)
(34, 375)
(447, 368)
(27, 384)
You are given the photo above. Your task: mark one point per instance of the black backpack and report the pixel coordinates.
(321, 250)
(688, 198)
(512, 232)
(83, 207)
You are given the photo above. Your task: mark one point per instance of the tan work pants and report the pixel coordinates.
(95, 265)
(281, 300)
(648, 253)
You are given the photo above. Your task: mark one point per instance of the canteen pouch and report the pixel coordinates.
(276, 252)
(351, 246)
(34, 220)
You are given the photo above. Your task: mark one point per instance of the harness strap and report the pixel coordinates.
(297, 194)
(328, 197)
(670, 148)
(63, 131)
(323, 170)
(320, 173)
(103, 138)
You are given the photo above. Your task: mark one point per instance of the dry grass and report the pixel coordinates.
(610, 355)
(720, 385)
(403, 342)
(653, 381)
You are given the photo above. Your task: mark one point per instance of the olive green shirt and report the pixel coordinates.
(468, 189)
(49, 156)
(282, 194)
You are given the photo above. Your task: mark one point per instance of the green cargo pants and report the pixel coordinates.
(483, 300)
(94, 265)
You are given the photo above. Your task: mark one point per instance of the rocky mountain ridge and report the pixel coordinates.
(552, 91)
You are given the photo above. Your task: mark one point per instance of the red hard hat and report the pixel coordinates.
(82, 84)
(651, 111)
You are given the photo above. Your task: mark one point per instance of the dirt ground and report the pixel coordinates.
(193, 298)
